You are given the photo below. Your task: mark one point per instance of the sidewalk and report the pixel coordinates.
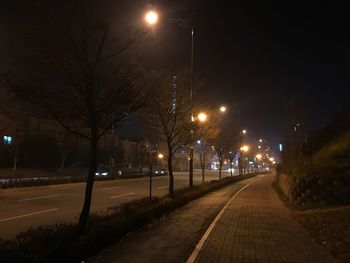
(256, 227)
(173, 238)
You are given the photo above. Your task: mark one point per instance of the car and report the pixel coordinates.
(103, 171)
(160, 171)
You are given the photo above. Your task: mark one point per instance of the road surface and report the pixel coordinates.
(22, 208)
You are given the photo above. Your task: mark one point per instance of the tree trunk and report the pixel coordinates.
(240, 165)
(63, 161)
(150, 181)
(15, 162)
(89, 183)
(190, 175)
(220, 168)
(171, 175)
(202, 159)
(231, 167)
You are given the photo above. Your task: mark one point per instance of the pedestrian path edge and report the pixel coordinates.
(201, 242)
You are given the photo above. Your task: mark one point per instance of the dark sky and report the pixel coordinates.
(250, 57)
(255, 57)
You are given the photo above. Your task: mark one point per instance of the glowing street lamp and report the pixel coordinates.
(271, 159)
(223, 109)
(245, 148)
(258, 156)
(151, 17)
(202, 117)
(160, 156)
(244, 131)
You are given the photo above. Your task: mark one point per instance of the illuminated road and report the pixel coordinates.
(21, 208)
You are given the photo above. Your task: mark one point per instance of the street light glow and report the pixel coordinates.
(245, 148)
(151, 17)
(222, 108)
(202, 117)
(244, 131)
(271, 159)
(259, 156)
(160, 156)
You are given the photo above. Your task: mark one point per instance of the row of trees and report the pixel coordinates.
(75, 69)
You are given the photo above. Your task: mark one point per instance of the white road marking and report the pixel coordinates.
(37, 198)
(161, 187)
(66, 186)
(109, 188)
(201, 242)
(116, 196)
(30, 214)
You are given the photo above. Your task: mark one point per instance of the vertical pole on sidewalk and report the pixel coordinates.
(150, 175)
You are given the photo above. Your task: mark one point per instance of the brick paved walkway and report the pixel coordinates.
(256, 227)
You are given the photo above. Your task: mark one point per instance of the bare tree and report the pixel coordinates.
(224, 142)
(207, 133)
(169, 112)
(78, 75)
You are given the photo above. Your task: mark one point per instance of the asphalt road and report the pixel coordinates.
(22, 208)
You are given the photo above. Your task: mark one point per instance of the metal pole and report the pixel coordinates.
(191, 97)
(240, 170)
(150, 175)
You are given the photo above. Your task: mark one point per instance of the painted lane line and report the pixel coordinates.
(116, 196)
(109, 188)
(37, 198)
(201, 242)
(30, 214)
(161, 187)
(67, 186)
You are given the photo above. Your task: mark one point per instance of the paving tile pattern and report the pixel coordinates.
(256, 227)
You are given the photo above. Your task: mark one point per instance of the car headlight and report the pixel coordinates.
(156, 172)
(104, 174)
(97, 173)
(162, 172)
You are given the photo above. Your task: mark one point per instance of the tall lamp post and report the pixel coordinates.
(192, 118)
(151, 18)
(240, 165)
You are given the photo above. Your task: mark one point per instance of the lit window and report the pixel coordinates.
(7, 139)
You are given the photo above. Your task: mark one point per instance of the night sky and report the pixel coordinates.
(252, 58)
(255, 58)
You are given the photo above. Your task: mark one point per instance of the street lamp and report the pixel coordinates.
(258, 156)
(151, 17)
(161, 157)
(245, 148)
(222, 108)
(202, 117)
(240, 167)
